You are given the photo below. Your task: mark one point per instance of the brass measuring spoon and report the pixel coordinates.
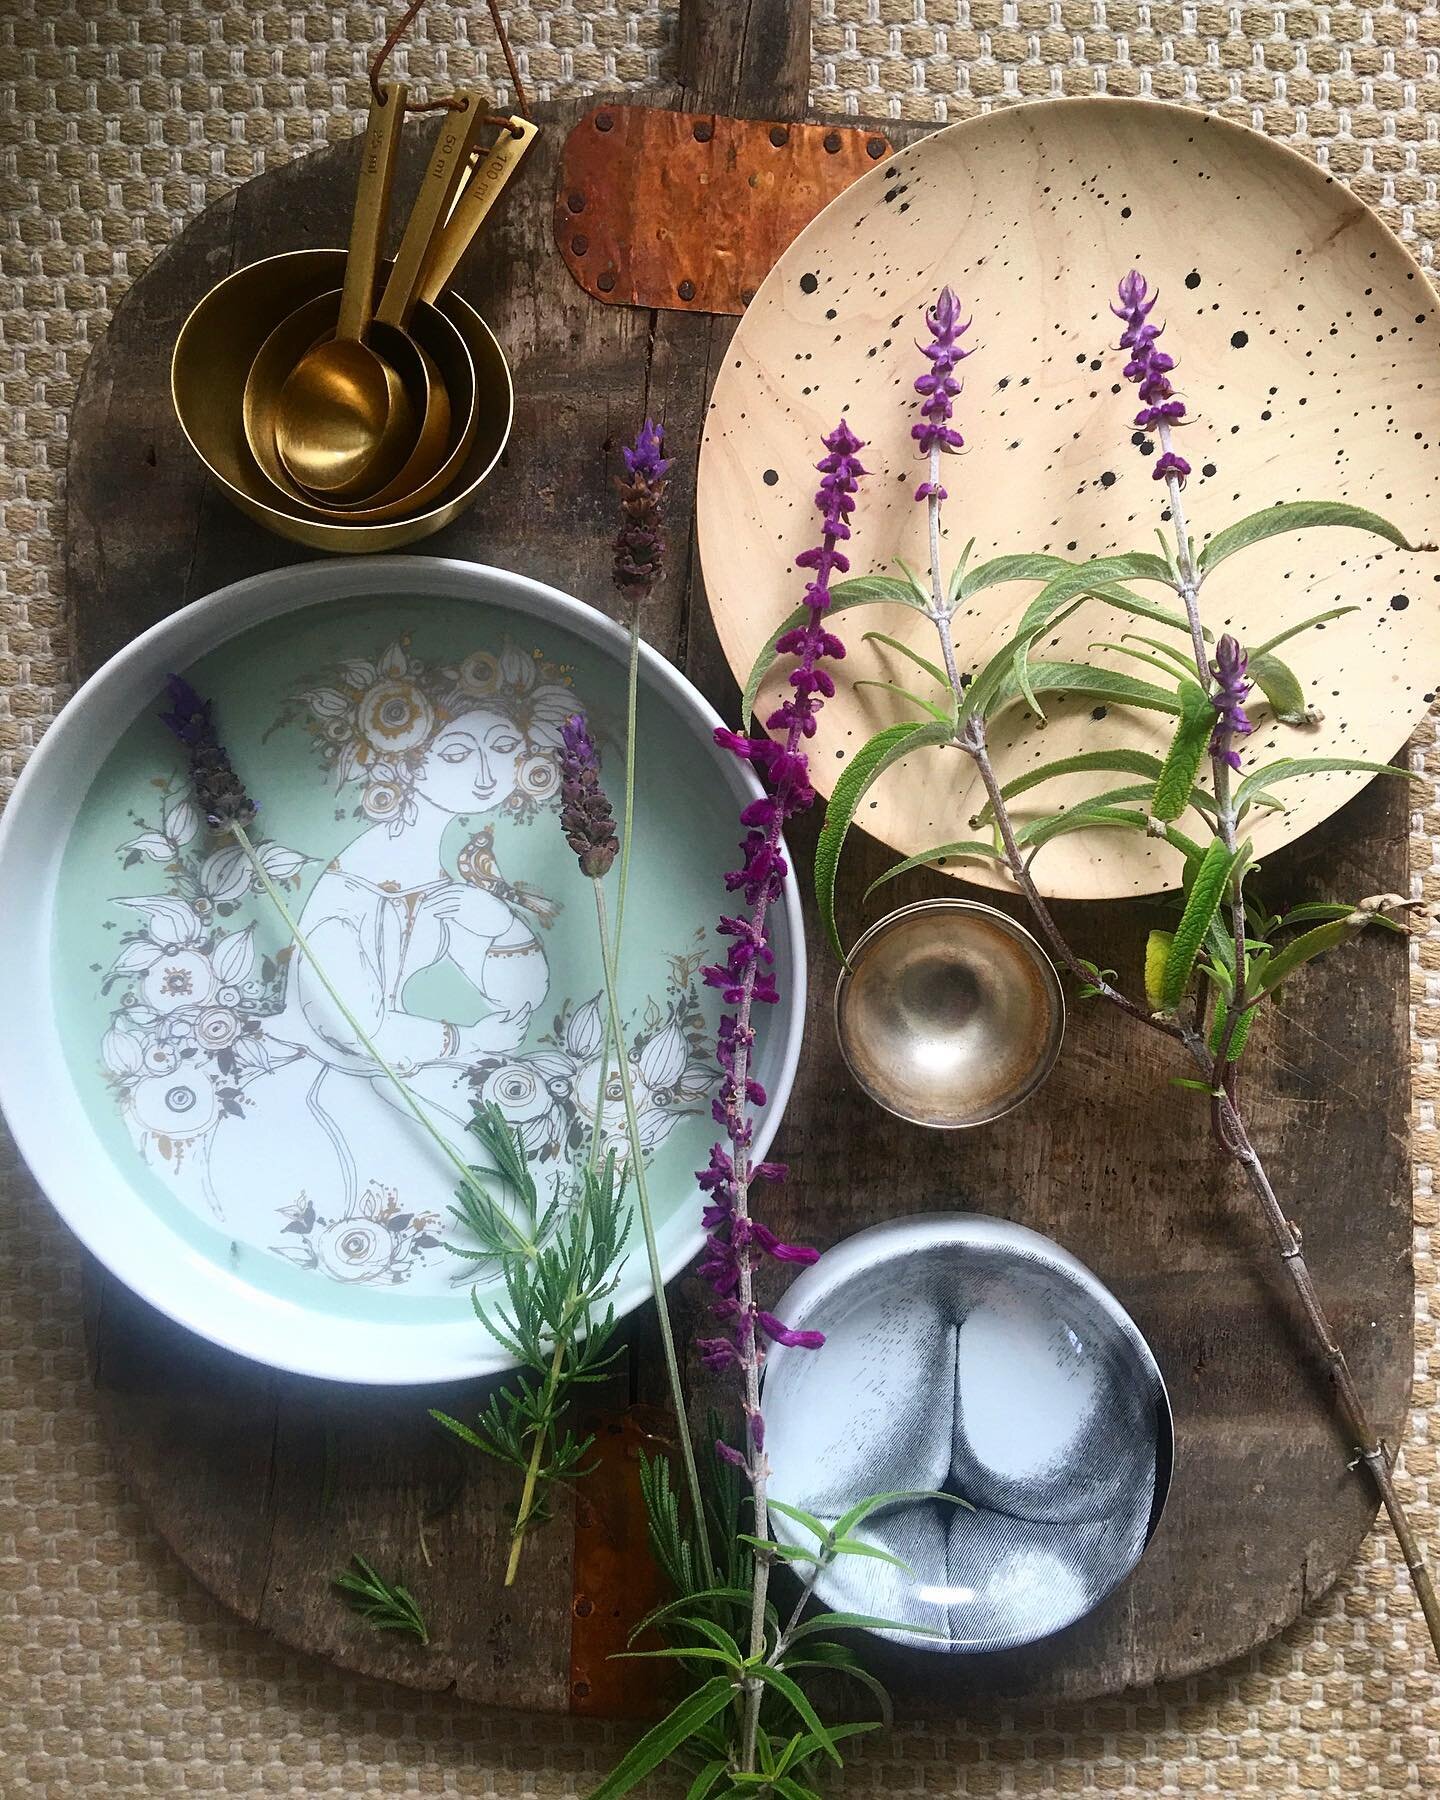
(477, 198)
(340, 397)
(391, 443)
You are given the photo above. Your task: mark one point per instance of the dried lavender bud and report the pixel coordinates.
(640, 547)
(585, 815)
(218, 789)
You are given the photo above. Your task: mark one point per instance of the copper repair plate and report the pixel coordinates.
(690, 210)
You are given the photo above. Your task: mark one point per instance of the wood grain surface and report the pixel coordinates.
(264, 1484)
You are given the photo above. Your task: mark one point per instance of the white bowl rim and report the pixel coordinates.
(37, 1098)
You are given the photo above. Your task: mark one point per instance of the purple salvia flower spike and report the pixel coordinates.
(939, 386)
(1149, 368)
(736, 1241)
(1232, 688)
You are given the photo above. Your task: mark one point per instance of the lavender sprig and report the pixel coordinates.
(736, 1241)
(639, 565)
(590, 832)
(219, 792)
(585, 814)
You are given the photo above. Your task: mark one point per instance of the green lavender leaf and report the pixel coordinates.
(1296, 515)
(842, 1621)
(1040, 831)
(790, 1690)
(1107, 686)
(817, 1527)
(860, 773)
(1071, 584)
(1157, 954)
(1109, 762)
(1035, 567)
(893, 687)
(1280, 685)
(663, 1740)
(1291, 631)
(965, 848)
(1290, 767)
(1187, 749)
(1206, 892)
(739, 1596)
(1305, 948)
(1113, 594)
(706, 1779)
(892, 643)
(1083, 817)
(384, 1605)
(863, 590)
(1239, 1033)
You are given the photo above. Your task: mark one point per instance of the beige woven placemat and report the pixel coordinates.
(119, 119)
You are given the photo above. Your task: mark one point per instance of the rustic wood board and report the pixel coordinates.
(263, 1484)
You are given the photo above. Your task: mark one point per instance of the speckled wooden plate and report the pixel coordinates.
(1308, 344)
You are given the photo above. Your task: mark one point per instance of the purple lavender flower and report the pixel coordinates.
(640, 547)
(218, 789)
(585, 815)
(736, 1241)
(1232, 689)
(938, 387)
(1149, 367)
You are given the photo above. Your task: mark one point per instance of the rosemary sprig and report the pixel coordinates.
(559, 1268)
(384, 1605)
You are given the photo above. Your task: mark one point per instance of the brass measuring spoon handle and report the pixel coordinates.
(474, 204)
(459, 132)
(372, 208)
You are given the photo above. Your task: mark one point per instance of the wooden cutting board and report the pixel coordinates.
(264, 1484)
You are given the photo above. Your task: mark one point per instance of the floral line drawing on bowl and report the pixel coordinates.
(378, 1239)
(374, 718)
(549, 1095)
(238, 1083)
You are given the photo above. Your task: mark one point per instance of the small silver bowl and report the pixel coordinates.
(968, 1357)
(949, 1013)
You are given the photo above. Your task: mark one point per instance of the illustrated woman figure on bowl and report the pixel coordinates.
(429, 745)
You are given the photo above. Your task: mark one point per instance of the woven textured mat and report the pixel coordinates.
(119, 119)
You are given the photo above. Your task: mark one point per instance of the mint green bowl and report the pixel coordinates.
(182, 1090)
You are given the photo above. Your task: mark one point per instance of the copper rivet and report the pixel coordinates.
(703, 131)
(606, 281)
(576, 202)
(747, 295)
(832, 141)
(686, 290)
(581, 1690)
(579, 243)
(779, 136)
(584, 1608)
(603, 121)
(876, 147)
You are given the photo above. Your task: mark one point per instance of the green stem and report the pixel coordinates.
(627, 832)
(532, 1470)
(647, 1220)
(552, 1380)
